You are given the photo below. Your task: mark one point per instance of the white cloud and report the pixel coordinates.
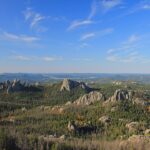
(103, 6)
(93, 34)
(35, 58)
(146, 7)
(111, 51)
(28, 13)
(52, 58)
(23, 38)
(94, 8)
(87, 36)
(78, 23)
(127, 52)
(107, 5)
(141, 6)
(112, 58)
(82, 59)
(21, 58)
(33, 17)
(83, 45)
(130, 57)
(105, 31)
(97, 5)
(133, 38)
(37, 18)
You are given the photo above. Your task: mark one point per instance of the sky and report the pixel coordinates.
(75, 36)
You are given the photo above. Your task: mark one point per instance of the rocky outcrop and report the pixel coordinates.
(78, 128)
(71, 126)
(68, 85)
(139, 101)
(15, 86)
(62, 137)
(117, 82)
(105, 120)
(68, 103)
(90, 98)
(147, 132)
(121, 95)
(132, 126)
(58, 109)
(1, 86)
(52, 137)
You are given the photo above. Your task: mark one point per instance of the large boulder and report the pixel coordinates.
(90, 98)
(68, 85)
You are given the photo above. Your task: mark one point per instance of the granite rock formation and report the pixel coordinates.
(68, 85)
(89, 98)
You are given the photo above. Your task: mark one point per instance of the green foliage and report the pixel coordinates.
(34, 122)
(7, 142)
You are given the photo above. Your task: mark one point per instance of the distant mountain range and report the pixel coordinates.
(143, 78)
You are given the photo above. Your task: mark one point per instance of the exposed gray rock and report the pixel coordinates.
(121, 95)
(132, 126)
(105, 119)
(147, 132)
(113, 109)
(68, 85)
(71, 126)
(14, 86)
(9, 89)
(17, 86)
(23, 109)
(68, 103)
(139, 101)
(1, 86)
(90, 98)
(58, 109)
(62, 137)
(51, 136)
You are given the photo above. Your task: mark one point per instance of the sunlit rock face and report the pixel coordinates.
(90, 98)
(68, 85)
(121, 95)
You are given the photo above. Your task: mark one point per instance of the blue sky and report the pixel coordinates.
(71, 36)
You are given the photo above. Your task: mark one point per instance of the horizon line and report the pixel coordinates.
(71, 73)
